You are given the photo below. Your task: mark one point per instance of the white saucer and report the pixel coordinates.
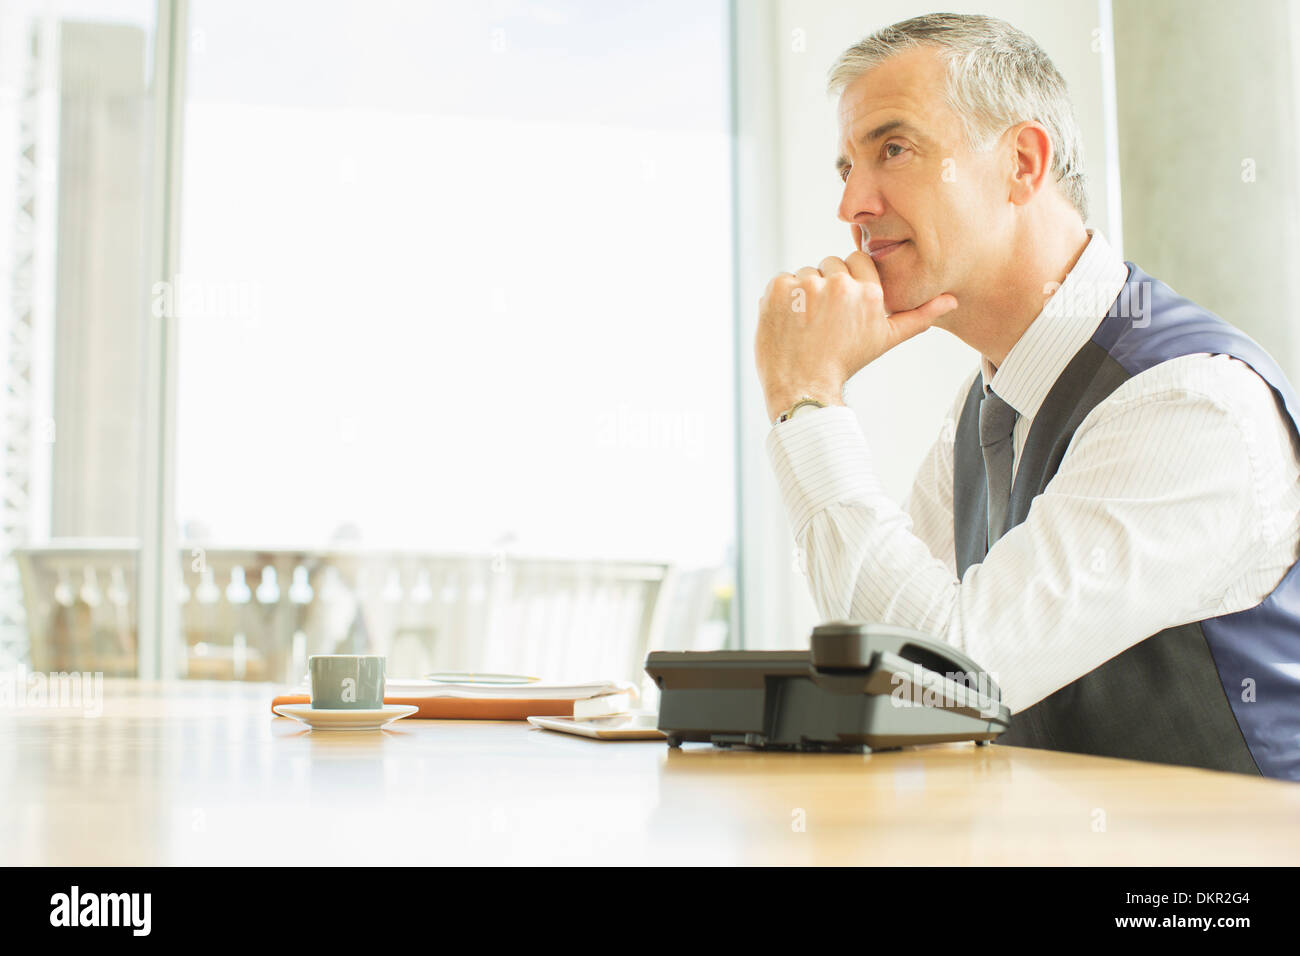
(318, 718)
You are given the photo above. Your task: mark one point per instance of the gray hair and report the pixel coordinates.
(997, 77)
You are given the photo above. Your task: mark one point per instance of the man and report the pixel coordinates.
(1109, 522)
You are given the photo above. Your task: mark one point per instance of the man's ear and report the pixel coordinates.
(1032, 161)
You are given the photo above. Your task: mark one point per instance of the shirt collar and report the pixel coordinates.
(1067, 321)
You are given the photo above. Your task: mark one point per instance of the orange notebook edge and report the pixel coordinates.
(463, 708)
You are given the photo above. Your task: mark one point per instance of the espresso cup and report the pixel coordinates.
(346, 681)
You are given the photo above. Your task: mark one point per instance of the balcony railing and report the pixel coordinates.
(250, 614)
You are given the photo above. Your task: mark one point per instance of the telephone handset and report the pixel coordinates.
(916, 667)
(851, 644)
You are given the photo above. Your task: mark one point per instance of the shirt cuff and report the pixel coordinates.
(821, 458)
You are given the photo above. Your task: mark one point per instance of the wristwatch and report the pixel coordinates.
(804, 401)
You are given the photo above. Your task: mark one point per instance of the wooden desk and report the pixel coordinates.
(202, 773)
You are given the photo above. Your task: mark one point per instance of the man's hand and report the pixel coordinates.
(819, 327)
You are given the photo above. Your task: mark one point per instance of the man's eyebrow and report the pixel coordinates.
(842, 161)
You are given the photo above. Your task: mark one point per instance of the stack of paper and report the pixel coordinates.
(609, 716)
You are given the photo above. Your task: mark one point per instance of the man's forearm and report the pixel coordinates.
(860, 554)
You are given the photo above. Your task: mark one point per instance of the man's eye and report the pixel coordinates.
(844, 173)
(888, 146)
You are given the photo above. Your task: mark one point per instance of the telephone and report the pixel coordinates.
(860, 687)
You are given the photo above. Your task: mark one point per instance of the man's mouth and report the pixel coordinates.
(879, 248)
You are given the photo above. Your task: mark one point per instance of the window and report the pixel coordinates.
(456, 334)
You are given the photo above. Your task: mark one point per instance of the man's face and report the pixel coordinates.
(916, 181)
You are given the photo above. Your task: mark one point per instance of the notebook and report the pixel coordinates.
(436, 700)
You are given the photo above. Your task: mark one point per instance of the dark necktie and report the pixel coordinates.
(997, 419)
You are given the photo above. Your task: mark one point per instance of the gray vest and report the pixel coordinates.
(1205, 694)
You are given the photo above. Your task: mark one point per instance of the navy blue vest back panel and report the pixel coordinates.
(1222, 693)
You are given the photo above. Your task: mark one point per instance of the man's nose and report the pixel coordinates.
(861, 201)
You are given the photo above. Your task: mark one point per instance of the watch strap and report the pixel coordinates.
(805, 401)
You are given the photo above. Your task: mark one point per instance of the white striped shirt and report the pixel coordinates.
(1178, 499)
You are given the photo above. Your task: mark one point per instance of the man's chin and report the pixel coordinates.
(897, 300)
(903, 300)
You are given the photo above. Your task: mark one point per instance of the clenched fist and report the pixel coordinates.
(819, 327)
